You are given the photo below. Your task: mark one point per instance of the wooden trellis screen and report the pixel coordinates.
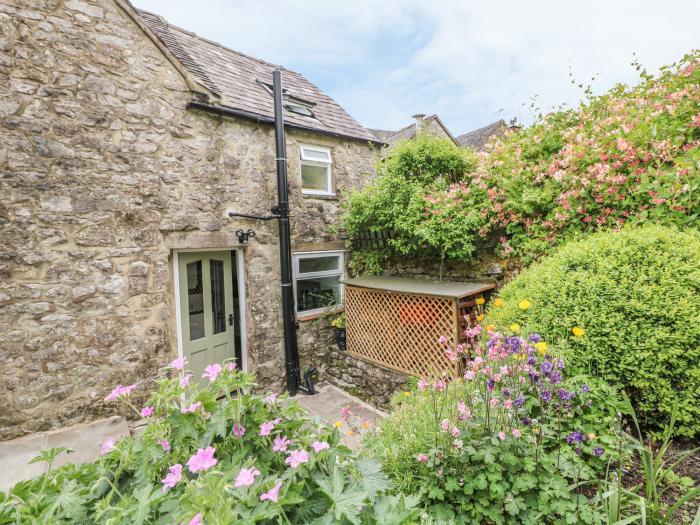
(396, 322)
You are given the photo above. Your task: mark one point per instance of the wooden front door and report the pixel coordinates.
(206, 308)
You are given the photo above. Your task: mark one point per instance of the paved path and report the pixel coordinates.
(329, 403)
(85, 440)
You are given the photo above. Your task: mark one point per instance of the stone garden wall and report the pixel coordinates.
(102, 174)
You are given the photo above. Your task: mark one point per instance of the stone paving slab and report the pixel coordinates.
(85, 440)
(328, 404)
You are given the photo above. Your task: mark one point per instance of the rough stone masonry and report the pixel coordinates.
(103, 172)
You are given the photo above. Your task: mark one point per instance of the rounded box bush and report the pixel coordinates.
(634, 298)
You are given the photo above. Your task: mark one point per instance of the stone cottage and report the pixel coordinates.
(124, 143)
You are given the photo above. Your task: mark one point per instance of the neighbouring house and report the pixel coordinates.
(124, 142)
(432, 125)
(477, 139)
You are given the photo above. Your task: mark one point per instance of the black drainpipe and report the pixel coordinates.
(291, 351)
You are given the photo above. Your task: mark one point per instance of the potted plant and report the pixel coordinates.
(339, 324)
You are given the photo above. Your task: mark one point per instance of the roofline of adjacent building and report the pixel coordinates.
(226, 111)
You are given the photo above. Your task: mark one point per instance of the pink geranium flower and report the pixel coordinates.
(280, 444)
(231, 366)
(440, 386)
(442, 340)
(202, 460)
(165, 444)
(422, 458)
(179, 363)
(246, 477)
(211, 372)
(271, 398)
(422, 384)
(516, 433)
(273, 493)
(147, 411)
(173, 478)
(238, 430)
(267, 427)
(192, 408)
(185, 380)
(502, 436)
(297, 457)
(119, 391)
(318, 446)
(107, 445)
(196, 520)
(455, 432)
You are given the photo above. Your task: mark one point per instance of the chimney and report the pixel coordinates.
(418, 117)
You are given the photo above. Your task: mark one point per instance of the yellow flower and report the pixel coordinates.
(365, 424)
(524, 304)
(498, 302)
(350, 432)
(338, 424)
(541, 347)
(490, 328)
(480, 317)
(480, 300)
(592, 436)
(515, 327)
(578, 331)
(407, 393)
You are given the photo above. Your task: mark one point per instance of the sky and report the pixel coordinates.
(471, 62)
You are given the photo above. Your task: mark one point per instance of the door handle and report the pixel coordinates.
(230, 319)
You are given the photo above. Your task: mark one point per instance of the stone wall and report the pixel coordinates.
(368, 381)
(102, 174)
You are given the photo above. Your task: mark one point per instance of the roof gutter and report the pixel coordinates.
(225, 111)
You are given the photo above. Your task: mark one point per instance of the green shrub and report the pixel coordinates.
(239, 459)
(416, 198)
(636, 293)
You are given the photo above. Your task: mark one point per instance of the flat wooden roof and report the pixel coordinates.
(455, 290)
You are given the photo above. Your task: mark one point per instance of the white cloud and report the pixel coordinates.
(465, 60)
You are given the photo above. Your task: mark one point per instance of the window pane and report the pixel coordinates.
(314, 177)
(312, 154)
(318, 264)
(322, 292)
(218, 302)
(195, 300)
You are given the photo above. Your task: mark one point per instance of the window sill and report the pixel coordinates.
(302, 318)
(320, 197)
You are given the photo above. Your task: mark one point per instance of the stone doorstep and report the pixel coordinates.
(85, 440)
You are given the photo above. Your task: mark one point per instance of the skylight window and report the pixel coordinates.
(292, 103)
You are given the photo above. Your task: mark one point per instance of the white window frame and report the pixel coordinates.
(340, 272)
(305, 160)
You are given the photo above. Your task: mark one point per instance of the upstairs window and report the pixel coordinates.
(316, 176)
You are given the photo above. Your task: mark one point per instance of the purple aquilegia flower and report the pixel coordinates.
(546, 396)
(546, 367)
(566, 395)
(532, 360)
(560, 364)
(506, 392)
(555, 377)
(527, 421)
(512, 344)
(598, 452)
(535, 337)
(490, 383)
(520, 401)
(574, 437)
(585, 389)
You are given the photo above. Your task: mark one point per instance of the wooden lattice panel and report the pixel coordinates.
(400, 331)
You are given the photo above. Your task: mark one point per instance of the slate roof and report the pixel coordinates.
(477, 138)
(237, 79)
(408, 132)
